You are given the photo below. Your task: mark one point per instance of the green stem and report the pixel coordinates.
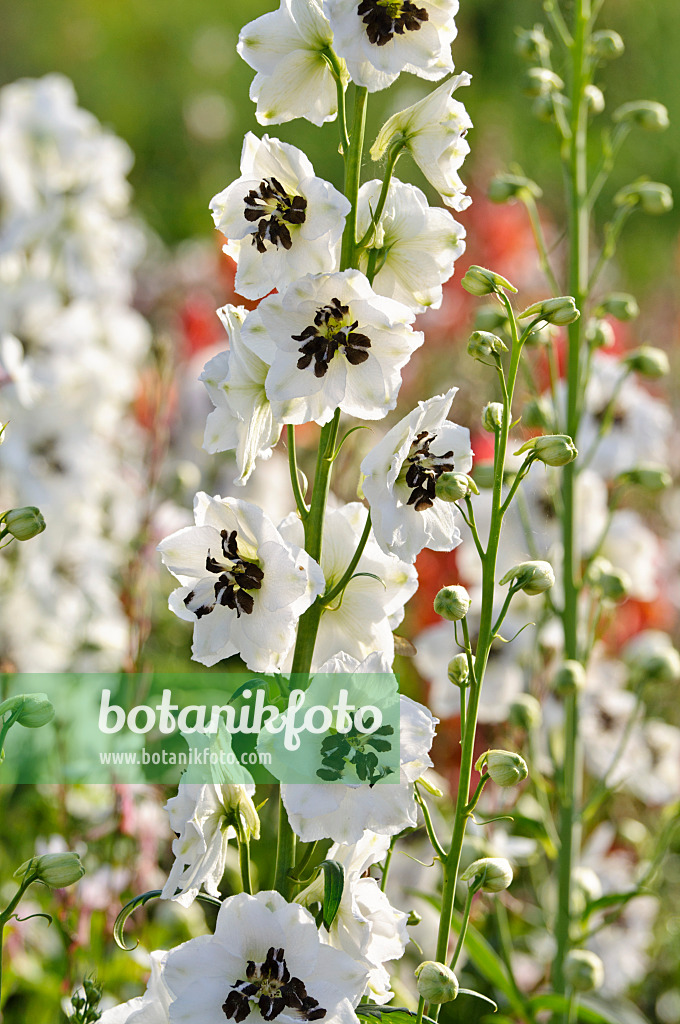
(541, 247)
(244, 865)
(477, 793)
(393, 156)
(388, 861)
(353, 177)
(334, 64)
(429, 827)
(463, 927)
(285, 853)
(349, 571)
(421, 1008)
(4, 918)
(298, 871)
(294, 473)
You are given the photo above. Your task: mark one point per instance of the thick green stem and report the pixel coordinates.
(353, 177)
(285, 853)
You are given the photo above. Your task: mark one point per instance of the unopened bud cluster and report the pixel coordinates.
(54, 869)
(532, 577)
(436, 982)
(480, 281)
(32, 710)
(489, 874)
(552, 449)
(23, 523)
(454, 486)
(452, 603)
(483, 344)
(504, 767)
(560, 311)
(648, 361)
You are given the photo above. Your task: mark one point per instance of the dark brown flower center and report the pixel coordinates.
(332, 330)
(272, 987)
(235, 577)
(383, 18)
(274, 210)
(423, 469)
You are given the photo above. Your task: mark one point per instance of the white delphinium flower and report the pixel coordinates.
(16, 371)
(288, 48)
(632, 546)
(265, 961)
(433, 130)
(401, 473)
(279, 219)
(243, 418)
(338, 344)
(381, 38)
(152, 1007)
(343, 812)
(242, 584)
(414, 246)
(362, 619)
(205, 818)
(366, 926)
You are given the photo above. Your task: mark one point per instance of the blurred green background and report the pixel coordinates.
(165, 76)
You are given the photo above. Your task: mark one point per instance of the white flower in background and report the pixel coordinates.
(279, 219)
(367, 926)
(416, 245)
(401, 473)
(265, 961)
(243, 419)
(632, 546)
(205, 818)
(433, 130)
(152, 1007)
(362, 621)
(344, 812)
(242, 584)
(338, 344)
(286, 48)
(16, 372)
(381, 38)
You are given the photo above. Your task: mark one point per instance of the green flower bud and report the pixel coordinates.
(32, 709)
(543, 106)
(454, 486)
(569, 678)
(652, 657)
(583, 970)
(559, 311)
(436, 983)
(599, 333)
(504, 187)
(538, 412)
(542, 82)
(505, 767)
(652, 478)
(482, 344)
(594, 98)
(491, 318)
(490, 874)
(525, 712)
(532, 43)
(652, 196)
(459, 670)
(620, 305)
(648, 361)
(645, 114)
(606, 44)
(614, 584)
(532, 577)
(492, 417)
(552, 449)
(480, 281)
(24, 523)
(585, 888)
(452, 603)
(54, 869)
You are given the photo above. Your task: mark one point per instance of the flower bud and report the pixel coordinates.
(505, 767)
(480, 281)
(583, 970)
(651, 478)
(532, 577)
(533, 44)
(585, 888)
(620, 305)
(599, 333)
(32, 709)
(54, 869)
(490, 874)
(525, 712)
(436, 983)
(652, 657)
(452, 603)
(614, 584)
(543, 106)
(538, 412)
(491, 318)
(594, 98)
(482, 345)
(24, 523)
(504, 187)
(552, 449)
(645, 114)
(606, 44)
(459, 670)
(648, 361)
(454, 486)
(542, 82)
(569, 678)
(559, 311)
(652, 196)
(492, 417)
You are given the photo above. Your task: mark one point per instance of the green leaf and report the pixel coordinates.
(389, 1014)
(590, 1009)
(477, 995)
(139, 901)
(612, 899)
(333, 886)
